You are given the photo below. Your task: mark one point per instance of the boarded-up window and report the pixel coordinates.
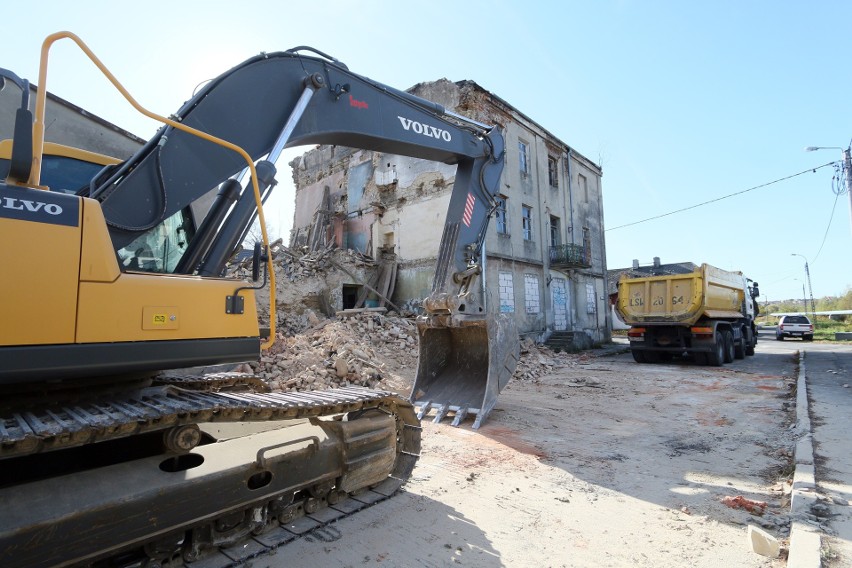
(532, 298)
(507, 292)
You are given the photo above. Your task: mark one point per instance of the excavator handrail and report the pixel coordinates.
(38, 147)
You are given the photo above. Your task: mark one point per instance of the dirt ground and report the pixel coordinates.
(591, 460)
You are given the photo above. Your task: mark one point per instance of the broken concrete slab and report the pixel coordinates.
(762, 542)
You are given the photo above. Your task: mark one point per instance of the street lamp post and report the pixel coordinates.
(846, 169)
(808, 274)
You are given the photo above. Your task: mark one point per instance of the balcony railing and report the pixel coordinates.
(569, 256)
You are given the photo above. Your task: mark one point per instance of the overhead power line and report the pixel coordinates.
(825, 236)
(723, 197)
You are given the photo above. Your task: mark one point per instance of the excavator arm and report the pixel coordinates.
(278, 100)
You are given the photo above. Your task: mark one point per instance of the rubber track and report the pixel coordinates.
(52, 427)
(59, 426)
(318, 526)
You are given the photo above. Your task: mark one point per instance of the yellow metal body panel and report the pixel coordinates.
(681, 298)
(121, 310)
(97, 262)
(63, 285)
(116, 306)
(40, 264)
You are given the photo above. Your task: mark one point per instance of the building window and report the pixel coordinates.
(500, 215)
(555, 233)
(524, 158)
(507, 292)
(532, 303)
(553, 171)
(587, 245)
(590, 298)
(526, 218)
(584, 186)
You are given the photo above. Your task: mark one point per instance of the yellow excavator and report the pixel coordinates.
(115, 448)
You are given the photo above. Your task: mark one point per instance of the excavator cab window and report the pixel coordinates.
(60, 173)
(160, 249)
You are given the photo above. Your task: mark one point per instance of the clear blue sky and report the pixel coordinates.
(681, 102)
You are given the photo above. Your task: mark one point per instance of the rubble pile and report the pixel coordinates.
(369, 349)
(366, 348)
(537, 360)
(292, 266)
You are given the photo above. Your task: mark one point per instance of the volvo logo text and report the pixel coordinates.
(425, 129)
(30, 206)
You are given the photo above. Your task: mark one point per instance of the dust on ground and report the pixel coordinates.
(600, 462)
(588, 459)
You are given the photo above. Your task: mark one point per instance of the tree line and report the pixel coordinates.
(826, 304)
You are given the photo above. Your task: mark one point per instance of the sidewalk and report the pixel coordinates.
(804, 538)
(822, 483)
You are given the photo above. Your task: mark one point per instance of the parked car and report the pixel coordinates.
(794, 326)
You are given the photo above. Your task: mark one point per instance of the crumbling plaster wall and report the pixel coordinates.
(411, 197)
(587, 212)
(414, 208)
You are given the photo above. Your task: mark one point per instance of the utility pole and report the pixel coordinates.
(811, 289)
(847, 174)
(808, 273)
(843, 173)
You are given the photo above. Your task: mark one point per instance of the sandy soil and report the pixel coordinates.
(601, 462)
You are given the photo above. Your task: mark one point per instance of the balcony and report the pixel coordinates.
(564, 257)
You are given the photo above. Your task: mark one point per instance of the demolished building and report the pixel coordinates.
(545, 256)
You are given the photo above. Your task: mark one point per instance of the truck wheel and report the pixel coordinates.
(740, 348)
(717, 356)
(750, 343)
(638, 356)
(729, 346)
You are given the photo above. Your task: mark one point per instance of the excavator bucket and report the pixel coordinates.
(462, 369)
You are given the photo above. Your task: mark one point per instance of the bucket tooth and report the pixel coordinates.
(441, 411)
(478, 422)
(461, 413)
(424, 408)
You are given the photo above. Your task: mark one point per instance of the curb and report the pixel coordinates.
(805, 541)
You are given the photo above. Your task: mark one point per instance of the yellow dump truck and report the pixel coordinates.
(707, 314)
